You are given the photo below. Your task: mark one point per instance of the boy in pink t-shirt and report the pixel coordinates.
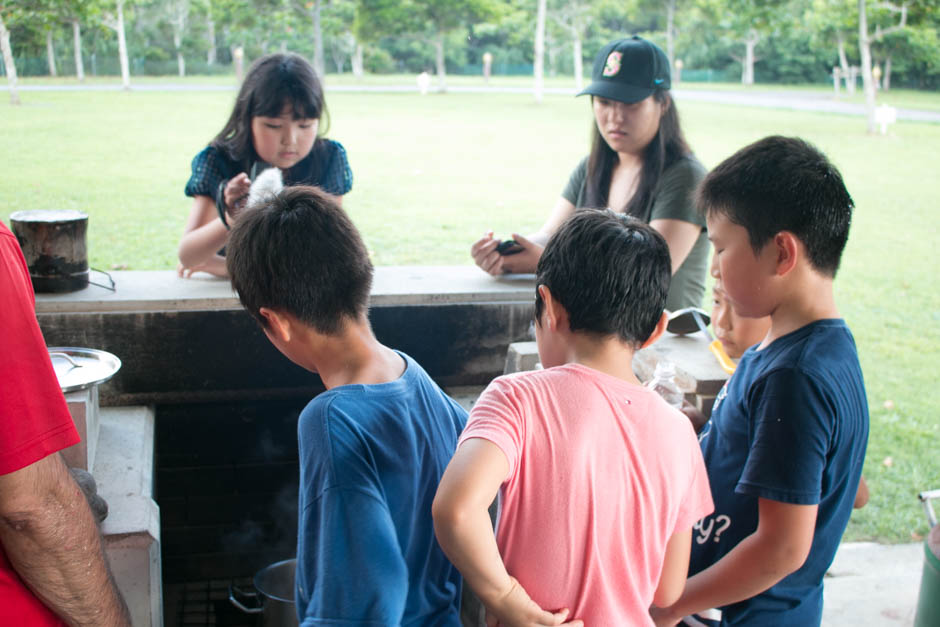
(600, 481)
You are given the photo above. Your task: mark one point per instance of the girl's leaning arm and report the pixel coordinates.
(203, 237)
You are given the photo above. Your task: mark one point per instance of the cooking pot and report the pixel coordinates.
(53, 243)
(273, 595)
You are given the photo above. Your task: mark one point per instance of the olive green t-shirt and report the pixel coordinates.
(672, 200)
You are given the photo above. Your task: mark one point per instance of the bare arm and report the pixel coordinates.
(777, 548)
(51, 538)
(202, 238)
(861, 495)
(680, 236)
(463, 529)
(675, 568)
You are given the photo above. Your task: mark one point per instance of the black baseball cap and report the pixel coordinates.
(629, 70)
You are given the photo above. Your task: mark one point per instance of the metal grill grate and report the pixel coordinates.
(206, 604)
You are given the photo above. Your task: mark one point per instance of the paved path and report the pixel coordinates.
(873, 585)
(821, 102)
(799, 101)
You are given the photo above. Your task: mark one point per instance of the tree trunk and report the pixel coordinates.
(339, 58)
(50, 53)
(886, 80)
(844, 64)
(747, 67)
(77, 38)
(238, 58)
(578, 63)
(210, 35)
(356, 61)
(439, 53)
(122, 46)
(8, 62)
(178, 45)
(318, 63)
(670, 32)
(868, 82)
(539, 68)
(551, 55)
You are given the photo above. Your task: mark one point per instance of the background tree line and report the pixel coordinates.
(765, 41)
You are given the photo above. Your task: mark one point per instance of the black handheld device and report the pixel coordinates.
(509, 247)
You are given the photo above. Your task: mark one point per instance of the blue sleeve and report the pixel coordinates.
(792, 428)
(208, 169)
(337, 178)
(353, 571)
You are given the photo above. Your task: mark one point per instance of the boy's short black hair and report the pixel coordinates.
(610, 272)
(301, 254)
(783, 184)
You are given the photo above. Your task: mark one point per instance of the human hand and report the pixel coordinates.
(185, 273)
(236, 194)
(663, 616)
(484, 254)
(525, 260)
(215, 266)
(85, 481)
(516, 608)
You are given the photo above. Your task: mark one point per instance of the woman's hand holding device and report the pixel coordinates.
(504, 257)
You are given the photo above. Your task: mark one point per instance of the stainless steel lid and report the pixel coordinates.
(48, 215)
(81, 368)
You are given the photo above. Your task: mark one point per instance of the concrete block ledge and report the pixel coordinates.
(164, 291)
(124, 474)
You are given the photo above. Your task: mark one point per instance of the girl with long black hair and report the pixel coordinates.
(276, 122)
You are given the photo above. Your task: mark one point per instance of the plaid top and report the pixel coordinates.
(326, 167)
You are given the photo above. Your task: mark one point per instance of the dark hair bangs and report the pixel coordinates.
(286, 87)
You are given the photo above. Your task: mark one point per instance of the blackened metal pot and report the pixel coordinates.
(53, 242)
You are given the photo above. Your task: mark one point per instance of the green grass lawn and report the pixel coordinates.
(432, 173)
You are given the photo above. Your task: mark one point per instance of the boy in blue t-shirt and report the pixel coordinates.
(373, 447)
(786, 442)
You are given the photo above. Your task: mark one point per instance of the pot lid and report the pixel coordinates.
(81, 368)
(48, 215)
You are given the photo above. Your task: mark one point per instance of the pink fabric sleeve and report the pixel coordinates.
(498, 417)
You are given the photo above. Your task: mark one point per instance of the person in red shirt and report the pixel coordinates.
(52, 567)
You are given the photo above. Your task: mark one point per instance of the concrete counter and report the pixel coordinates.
(152, 291)
(188, 340)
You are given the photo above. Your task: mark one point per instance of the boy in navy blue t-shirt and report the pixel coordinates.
(786, 442)
(373, 447)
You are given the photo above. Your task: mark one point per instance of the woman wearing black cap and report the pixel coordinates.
(640, 164)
